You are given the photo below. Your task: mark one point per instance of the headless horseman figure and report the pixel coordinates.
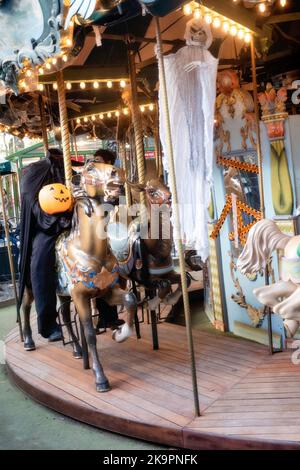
(39, 232)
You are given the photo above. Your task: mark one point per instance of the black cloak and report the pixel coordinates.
(33, 219)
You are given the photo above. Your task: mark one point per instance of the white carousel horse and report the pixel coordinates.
(283, 297)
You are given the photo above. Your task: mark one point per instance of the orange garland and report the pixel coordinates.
(229, 162)
(242, 228)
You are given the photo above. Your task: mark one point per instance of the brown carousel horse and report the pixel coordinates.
(86, 266)
(147, 258)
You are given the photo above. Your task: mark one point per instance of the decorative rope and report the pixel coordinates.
(64, 124)
(177, 228)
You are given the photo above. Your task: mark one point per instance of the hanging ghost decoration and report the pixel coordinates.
(191, 87)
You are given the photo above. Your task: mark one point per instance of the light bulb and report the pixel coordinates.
(69, 85)
(41, 87)
(96, 84)
(283, 3)
(69, 42)
(101, 116)
(41, 71)
(262, 7)
(48, 66)
(82, 85)
(85, 119)
(54, 61)
(241, 34)
(226, 26)
(248, 37)
(109, 84)
(216, 22)
(78, 120)
(208, 18)
(187, 9)
(109, 115)
(197, 13)
(65, 58)
(55, 86)
(125, 111)
(117, 113)
(233, 30)
(122, 84)
(28, 73)
(93, 117)
(151, 107)
(142, 109)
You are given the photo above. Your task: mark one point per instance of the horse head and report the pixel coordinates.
(102, 180)
(157, 192)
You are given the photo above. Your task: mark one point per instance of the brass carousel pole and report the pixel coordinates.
(177, 227)
(64, 124)
(138, 130)
(10, 259)
(43, 124)
(261, 179)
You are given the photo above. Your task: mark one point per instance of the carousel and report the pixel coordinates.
(157, 212)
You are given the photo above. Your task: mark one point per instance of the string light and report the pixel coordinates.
(93, 117)
(208, 18)
(109, 84)
(54, 61)
(28, 73)
(101, 116)
(78, 121)
(65, 58)
(117, 113)
(197, 13)
(125, 111)
(69, 86)
(216, 22)
(187, 9)
(122, 84)
(48, 65)
(55, 86)
(151, 107)
(96, 85)
(41, 87)
(262, 7)
(233, 30)
(41, 71)
(142, 108)
(109, 115)
(82, 85)
(85, 119)
(219, 20)
(283, 3)
(69, 42)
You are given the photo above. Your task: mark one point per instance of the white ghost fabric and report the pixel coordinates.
(191, 87)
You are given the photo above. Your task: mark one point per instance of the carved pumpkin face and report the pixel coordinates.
(55, 198)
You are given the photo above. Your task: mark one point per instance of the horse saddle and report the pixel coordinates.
(125, 245)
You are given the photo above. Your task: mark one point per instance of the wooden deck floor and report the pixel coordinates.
(248, 399)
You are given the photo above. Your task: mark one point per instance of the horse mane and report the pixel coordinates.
(263, 238)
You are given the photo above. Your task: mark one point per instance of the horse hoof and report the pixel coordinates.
(103, 387)
(122, 333)
(29, 345)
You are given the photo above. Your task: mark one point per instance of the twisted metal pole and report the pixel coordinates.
(10, 259)
(261, 178)
(138, 131)
(177, 227)
(64, 124)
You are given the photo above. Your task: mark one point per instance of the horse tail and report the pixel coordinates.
(263, 238)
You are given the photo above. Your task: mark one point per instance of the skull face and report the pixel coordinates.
(198, 33)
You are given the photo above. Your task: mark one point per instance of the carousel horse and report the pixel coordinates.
(283, 297)
(147, 260)
(86, 266)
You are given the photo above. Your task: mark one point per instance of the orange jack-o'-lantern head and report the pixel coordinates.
(55, 198)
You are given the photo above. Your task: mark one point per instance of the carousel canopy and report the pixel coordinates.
(96, 69)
